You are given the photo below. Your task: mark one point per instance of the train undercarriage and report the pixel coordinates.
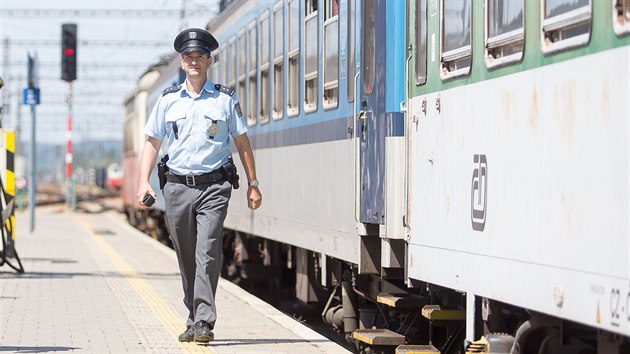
(380, 315)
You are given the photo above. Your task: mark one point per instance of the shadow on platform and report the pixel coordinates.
(250, 341)
(37, 349)
(65, 275)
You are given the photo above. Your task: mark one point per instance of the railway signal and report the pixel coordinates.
(69, 52)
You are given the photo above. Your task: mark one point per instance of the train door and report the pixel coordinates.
(370, 123)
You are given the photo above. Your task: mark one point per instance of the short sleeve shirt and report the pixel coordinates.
(197, 129)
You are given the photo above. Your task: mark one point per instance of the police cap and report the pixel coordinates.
(196, 40)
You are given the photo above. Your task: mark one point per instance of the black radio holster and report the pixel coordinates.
(230, 173)
(162, 169)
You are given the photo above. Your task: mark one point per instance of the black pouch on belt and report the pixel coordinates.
(230, 173)
(162, 169)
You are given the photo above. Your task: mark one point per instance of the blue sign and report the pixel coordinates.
(31, 96)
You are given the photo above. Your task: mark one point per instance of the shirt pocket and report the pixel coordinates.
(216, 126)
(175, 124)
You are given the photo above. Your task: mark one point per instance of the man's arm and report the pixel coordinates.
(147, 161)
(254, 198)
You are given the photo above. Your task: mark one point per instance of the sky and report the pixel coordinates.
(118, 46)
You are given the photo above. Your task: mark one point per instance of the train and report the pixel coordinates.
(113, 179)
(438, 175)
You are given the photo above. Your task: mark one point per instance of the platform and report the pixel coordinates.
(94, 284)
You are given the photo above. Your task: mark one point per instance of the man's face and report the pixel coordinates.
(196, 63)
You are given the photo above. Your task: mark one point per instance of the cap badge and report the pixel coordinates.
(192, 35)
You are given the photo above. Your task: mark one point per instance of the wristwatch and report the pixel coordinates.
(254, 183)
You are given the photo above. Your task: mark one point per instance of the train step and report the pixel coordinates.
(492, 343)
(436, 313)
(402, 301)
(383, 337)
(478, 346)
(416, 349)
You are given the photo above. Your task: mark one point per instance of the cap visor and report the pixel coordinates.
(195, 49)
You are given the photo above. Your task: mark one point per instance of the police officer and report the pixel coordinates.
(197, 118)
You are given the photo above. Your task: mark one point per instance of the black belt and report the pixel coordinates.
(192, 181)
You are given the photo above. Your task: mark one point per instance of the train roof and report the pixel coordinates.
(239, 11)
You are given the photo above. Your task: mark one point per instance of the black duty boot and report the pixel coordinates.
(188, 335)
(203, 332)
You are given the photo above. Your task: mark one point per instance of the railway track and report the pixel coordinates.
(52, 193)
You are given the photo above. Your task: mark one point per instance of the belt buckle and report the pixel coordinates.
(190, 181)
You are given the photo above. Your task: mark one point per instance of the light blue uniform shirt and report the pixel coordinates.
(199, 148)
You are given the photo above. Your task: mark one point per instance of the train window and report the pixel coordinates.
(621, 16)
(278, 58)
(242, 56)
(351, 51)
(294, 54)
(222, 73)
(242, 74)
(231, 79)
(421, 42)
(331, 53)
(456, 35)
(310, 55)
(252, 74)
(566, 24)
(213, 73)
(264, 68)
(368, 47)
(505, 35)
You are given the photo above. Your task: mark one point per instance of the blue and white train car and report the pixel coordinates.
(327, 135)
(320, 128)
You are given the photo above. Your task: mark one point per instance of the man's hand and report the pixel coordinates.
(143, 190)
(254, 198)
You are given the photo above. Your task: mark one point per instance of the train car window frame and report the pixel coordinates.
(368, 47)
(263, 32)
(421, 33)
(352, 58)
(311, 55)
(621, 16)
(565, 30)
(293, 52)
(330, 97)
(214, 72)
(252, 73)
(223, 73)
(456, 61)
(278, 61)
(231, 64)
(241, 70)
(508, 45)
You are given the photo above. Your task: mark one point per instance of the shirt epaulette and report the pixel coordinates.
(171, 89)
(228, 91)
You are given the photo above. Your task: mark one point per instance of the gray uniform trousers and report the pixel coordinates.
(195, 217)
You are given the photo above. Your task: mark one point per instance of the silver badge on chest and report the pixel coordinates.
(212, 130)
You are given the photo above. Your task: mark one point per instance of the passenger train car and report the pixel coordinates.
(517, 165)
(450, 174)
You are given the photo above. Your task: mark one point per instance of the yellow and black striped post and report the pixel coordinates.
(9, 181)
(7, 206)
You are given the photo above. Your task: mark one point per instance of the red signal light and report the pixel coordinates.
(68, 52)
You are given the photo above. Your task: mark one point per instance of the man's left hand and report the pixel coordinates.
(254, 198)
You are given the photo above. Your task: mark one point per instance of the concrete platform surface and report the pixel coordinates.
(94, 284)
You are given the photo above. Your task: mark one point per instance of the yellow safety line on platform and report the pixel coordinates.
(163, 311)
